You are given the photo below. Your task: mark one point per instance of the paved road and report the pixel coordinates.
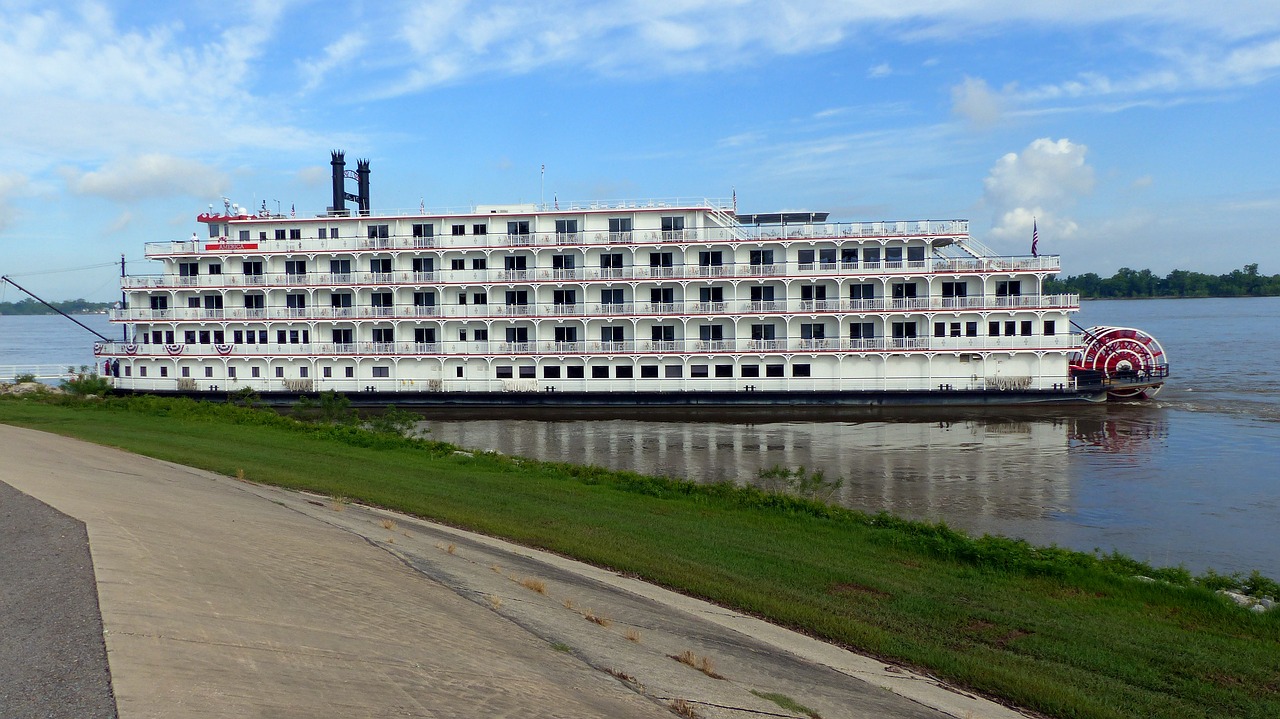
(53, 661)
(225, 598)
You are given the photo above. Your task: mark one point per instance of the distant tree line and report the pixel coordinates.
(71, 307)
(1179, 283)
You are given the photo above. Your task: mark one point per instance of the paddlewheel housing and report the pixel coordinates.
(1129, 362)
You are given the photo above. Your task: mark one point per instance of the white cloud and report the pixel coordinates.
(337, 54)
(11, 185)
(975, 101)
(881, 70)
(147, 176)
(1042, 182)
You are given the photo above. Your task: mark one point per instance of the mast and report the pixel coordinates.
(55, 309)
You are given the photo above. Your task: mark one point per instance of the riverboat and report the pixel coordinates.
(654, 303)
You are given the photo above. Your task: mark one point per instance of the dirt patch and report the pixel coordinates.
(853, 589)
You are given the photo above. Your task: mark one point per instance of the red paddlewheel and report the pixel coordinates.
(1120, 351)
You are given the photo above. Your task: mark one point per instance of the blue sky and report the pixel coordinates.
(1139, 134)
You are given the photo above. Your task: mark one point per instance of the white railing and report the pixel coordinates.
(836, 271)
(589, 310)
(628, 347)
(733, 234)
(685, 383)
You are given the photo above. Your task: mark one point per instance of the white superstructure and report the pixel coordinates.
(603, 302)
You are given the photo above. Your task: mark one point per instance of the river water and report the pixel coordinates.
(1191, 478)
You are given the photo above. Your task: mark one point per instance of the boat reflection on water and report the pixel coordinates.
(977, 472)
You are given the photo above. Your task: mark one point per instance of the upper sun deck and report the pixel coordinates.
(531, 226)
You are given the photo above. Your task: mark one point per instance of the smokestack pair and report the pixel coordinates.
(340, 194)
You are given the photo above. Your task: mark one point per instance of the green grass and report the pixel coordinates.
(1064, 633)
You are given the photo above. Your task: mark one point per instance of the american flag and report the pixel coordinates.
(1035, 239)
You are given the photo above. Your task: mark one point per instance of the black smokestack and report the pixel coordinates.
(362, 185)
(339, 189)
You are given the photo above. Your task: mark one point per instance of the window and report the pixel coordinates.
(575, 372)
(551, 371)
(708, 295)
(862, 331)
(611, 333)
(672, 227)
(765, 257)
(970, 329)
(381, 372)
(939, 329)
(519, 298)
(302, 371)
(1049, 327)
(340, 267)
(563, 262)
(619, 229)
(566, 229)
(528, 372)
(342, 337)
(805, 257)
(479, 264)
(379, 232)
(871, 255)
(862, 292)
(424, 299)
(340, 299)
(893, 254)
(611, 261)
(673, 371)
(699, 371)
(424, 335)
(188, 269)
(762, 332)
(186, 371)
(955, 329)
(662, 296)
(711, 333)
(279, 371)
(1025, 328)
(903, 290)
(215, 268)
(827, 256)
(326, 372)
(1010, 328)
(518, 335)
(322, 233)
(664, 333)
(480, 229)
(231, 372)
(295, 234)
(610, 297)
(813, 331)
(600, 372)
(800, 370)
(762, 293)
(279, 234)
(455, 230)
(503, 372)
(915, 254)
(164, 371)
(380, 266)
(479, 298)
(904, 330)
(774, 370)
(518, 227)
(383, 335)
(710, 258)
(564, 297)
(255, 371)
(955, 289)
(623, 371)
(750, 370)
(457, 264)
(649, 371)
(993, 329)
(1010, 288)
(515, 263)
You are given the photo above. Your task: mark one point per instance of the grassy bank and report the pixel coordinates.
(1064, 633)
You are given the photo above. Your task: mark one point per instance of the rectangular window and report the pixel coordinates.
(623, 371)
(619, 229)
(862, 331)
(699, 371)
(429, 230)
(231, 372)
(955, 329)
(379, 232)
(551, 371)
(672, 371)
(480, 229)
(164, 371)
(302, 371)
(503, 372)
(600, 372)
(610, 297)
(750, 370)
(457, 264)
(457, 230)
(186, 371)
(326, 372)
(280, 234)
(765, 257)
(479, 264)
(1010, 328)
(871, 255)
(255, 371)
(893, 254)
(351, 372)
(279, 371)
(295, 234)
(528, 372)
(648, 371)
(340, 267)
(862, 292)
(1025, 328)
(724, 370)
(1049, 327)
(774, 370)
(799, 370)
(381, 372)
(993, 329)
(970, 329)
(939, 329)
(575, 372)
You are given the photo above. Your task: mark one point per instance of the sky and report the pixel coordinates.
(1136, 134)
